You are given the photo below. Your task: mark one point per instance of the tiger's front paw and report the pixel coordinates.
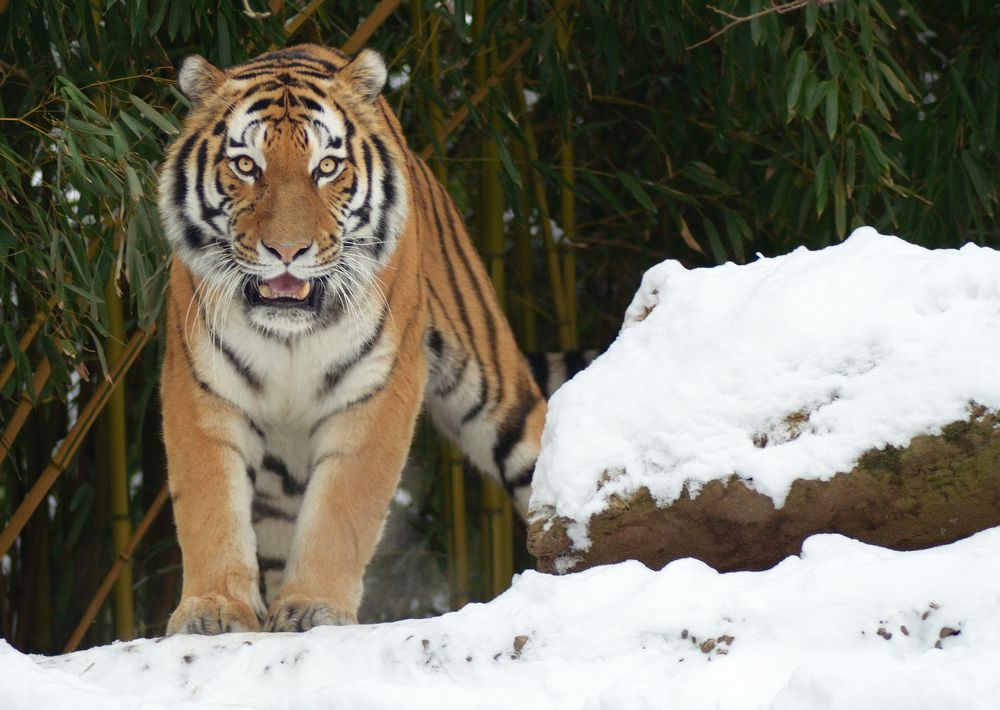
(212, 614)
(301, 613)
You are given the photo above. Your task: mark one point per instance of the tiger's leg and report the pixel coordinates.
(480, 390)
(360, 457)
(491, 407)
(211, 500)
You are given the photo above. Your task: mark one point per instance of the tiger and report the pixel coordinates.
(323, 291)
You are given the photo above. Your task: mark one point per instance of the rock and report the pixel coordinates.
(938, 489)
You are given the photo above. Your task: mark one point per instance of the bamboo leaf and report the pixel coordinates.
(894, 82)
(832, 110)
(812, 14)
(735, 237)
(714, 243)
(824, 170)
(986, 195)
(705, 175)
(832, 58)
(873, 146)
(601, 189)
(153, 115)
(688, 237)
(635, 189)
(800, 65)
(134, 187)
(840, 207)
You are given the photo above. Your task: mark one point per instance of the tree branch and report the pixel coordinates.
(775, 8)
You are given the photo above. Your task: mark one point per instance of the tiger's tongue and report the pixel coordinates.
(285, 286)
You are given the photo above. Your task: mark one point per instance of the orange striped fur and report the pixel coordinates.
(323, 289)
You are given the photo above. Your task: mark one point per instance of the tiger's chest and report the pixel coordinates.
(288, 387)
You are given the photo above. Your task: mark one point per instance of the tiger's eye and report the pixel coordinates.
(327, 166)
(246, 165)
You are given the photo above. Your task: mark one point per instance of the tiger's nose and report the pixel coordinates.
(285, 251)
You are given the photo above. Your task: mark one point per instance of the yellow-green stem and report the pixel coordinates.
(496, 506)
(567, 196)
(121, 523)
(556, 278)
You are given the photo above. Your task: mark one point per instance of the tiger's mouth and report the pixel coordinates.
(285, 291)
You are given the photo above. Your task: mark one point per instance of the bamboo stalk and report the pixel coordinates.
(542, 202)
(24, 408)
(61, 459)
(496, 506)
(459, 559)
(124, 557)
(25, 342)
(121, 523)
(433, 109)
(567, 195)
(427, 53)
(462, 112)
(293, 24)
(36, 322)
(367, 28)
(523, 256)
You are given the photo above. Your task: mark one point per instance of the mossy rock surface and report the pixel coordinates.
(938, 489)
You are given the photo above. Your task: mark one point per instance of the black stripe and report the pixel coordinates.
(289, 486)
(270, 564)
(194, 237)
(383, 107)
(435, 342)
(255, 428)
(335, 374)
(456, 379)
(511, 429)
(259, 88)
(539, 364)
(389, 196)
(284, 60)
(520, 480)
(353, 403)
(263, 508)
(180, 170)
(252, 379)
(252, 475)
(208, 213)
(456, 292)
(310, 104)
(491, 327)
(189, 359)
(365, 211)
(259, 105)
(316, 89)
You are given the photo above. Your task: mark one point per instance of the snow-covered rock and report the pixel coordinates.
(742, 408)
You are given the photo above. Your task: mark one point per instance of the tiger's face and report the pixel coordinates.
(284, 195)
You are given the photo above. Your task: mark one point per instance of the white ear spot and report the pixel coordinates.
(367, 74)
(197, 78)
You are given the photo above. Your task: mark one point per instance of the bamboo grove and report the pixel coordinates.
(585, 140)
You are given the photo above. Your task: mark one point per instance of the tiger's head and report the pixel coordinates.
(284, 194)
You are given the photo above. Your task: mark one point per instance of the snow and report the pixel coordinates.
(786, 368)
(867, 343)
(801, 636)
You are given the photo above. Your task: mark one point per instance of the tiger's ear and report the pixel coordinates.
(198, 78)
(367, 74)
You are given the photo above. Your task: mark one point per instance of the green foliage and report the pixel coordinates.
(787, 129)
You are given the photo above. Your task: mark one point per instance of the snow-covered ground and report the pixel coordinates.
(845, 627)
(863, 344)
(871, 342)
